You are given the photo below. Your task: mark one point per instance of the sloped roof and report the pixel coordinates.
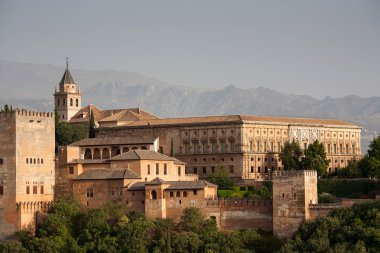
(96, 174)
(138, 154)
(173, 185)
(67, 78)
(87, 161)
(131, 114)
(156, 181)
(232, 119)
(114, 141)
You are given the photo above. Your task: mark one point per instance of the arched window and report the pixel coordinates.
(185, 194)
(125, 149)
(42, 161)
(77, 102)
(154, 194)
(27, 160)
(58, 102)
(34, 160)
(38, 160)
(71, 102)
(105, 153)
(97, 154)
(87, 154)
(64, 102)
(144, 148)
(115, 151)
(30, 160)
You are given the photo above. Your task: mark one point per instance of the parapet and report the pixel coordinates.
(23, 112)
(293, 173)
(238, 202)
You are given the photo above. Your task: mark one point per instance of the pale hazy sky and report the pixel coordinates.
(319, 48)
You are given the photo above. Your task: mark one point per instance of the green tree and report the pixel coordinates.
(290, 156)
(6, 108)
(315, 158)
(192, 220)
(91, 132)
(221, 179)
(186, 242)
(12, 247)
(374, 148)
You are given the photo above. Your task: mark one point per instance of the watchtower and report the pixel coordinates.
(293, 192)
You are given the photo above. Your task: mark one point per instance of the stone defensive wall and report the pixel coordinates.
(233, 214)
(23, 112)
(293, 173)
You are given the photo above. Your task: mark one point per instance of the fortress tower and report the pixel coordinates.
(68, 98)
(26, 168)
(293, 193)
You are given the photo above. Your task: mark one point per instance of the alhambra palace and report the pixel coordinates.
(160, 166)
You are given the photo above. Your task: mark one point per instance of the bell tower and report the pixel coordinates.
(67, 99)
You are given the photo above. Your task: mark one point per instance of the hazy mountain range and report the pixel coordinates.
(31, 86)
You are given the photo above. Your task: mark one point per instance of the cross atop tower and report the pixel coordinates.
(67, 62)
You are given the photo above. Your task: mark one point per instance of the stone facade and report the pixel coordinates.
(246, 147)
(26, 168)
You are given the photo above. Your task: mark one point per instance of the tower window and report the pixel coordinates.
(165, 169)
(157, 169)
(1, 161)
(27, 189)
(34, 189)
(58, 102)
(90, 193)
(1, 189)
(71, 170)
(71, 102)
(77, 102)
(64, 102)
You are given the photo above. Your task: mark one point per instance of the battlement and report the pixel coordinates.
(278, 175)
(238, 202)
(27, 113)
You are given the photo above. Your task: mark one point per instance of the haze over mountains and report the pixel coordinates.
(31, 86)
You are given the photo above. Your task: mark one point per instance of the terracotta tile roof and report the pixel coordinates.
(96, 174)
(132, 114)
(114, 141)
(139, 154)
(87, 161)
(232, 119)
(156, 181)
(184, 185)
(174, 185)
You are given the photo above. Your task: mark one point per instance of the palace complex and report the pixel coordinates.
(160, 166)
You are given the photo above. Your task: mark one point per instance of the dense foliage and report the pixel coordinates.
(354, 229)
(66, 133)
(291, 156)
(313, 157)
(348, 188)
(109, 229)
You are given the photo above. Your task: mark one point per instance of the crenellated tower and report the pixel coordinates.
(67, 98)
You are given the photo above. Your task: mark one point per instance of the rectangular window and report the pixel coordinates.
(90, 193)
(346, 148)
(231, 169)
(34, 189)
(71, 170)
(165, 169)
(353, 149)
(196, 148)
(1, 190)
(278, 147)
(232, 146)
(148, 168)
(27, 189)
(329, 148)
(187, 147)
(204, 147)
(171, 194)
(42, 189)
(257, 146)
(334, 148)
(157, 169)
(195, 192)
(1, 161)
(195, 170)
(179, 170)
(265, 146)
(213, 169)
(222, 147)
(341, 148)
(213, 147)
(251, 146)
(271, 147)
(204, 170)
